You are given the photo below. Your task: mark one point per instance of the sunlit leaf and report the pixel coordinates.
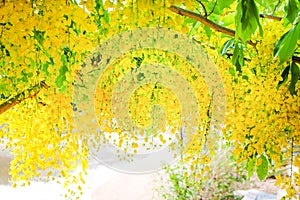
(291, 10)
(284, 76)
(295, 77)
(262, 168)
(285, 47)
(226, 46)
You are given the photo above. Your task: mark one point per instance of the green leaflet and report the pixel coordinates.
(238, 56)
(268, 6)
(284, 76)
(262, 169)
(228, 19)
(61, 78)
(251, 166)
(39, 36)
(98, 16)
(285, 47)
(232, 71)
(224, 3)
(73, 26)
(265, 3)
(292, 10)
(75, 2)
(247, 20)
(295, 77)
(32, 63)
(208, 31)
(228, 44)
(194, 27)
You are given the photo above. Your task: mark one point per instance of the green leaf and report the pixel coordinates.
(292, 10)
(284, 76)
(64, 59)
(32, 63)
(262, 169)
(216, 10)
(251, 166)
(194, 27)
(45, 68)
(208, 31)
(75, 2)
(99, 5)
(247, 19)
(228, 19)
(60, 80)
(295, 77)
(226, 46)
(188, 21)
(232, 71)
(224, 3)
(61, 77)
(238, 56)
(106, 16)
(39, 36)
(286, 45)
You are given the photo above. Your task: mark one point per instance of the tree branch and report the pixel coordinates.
(270, 17)
(203, 20)
(213, 25)
(21, 97)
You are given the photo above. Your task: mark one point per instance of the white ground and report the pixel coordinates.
(101, 183)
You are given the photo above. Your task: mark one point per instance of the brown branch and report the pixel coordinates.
(296, 59)
(203, 20)
(270, 17)
(213, 25)
(21, 97)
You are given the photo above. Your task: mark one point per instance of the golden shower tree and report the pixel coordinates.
(43, 45)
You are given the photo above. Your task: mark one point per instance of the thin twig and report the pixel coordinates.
(276, 7)
(212, 9)
(203, 6)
